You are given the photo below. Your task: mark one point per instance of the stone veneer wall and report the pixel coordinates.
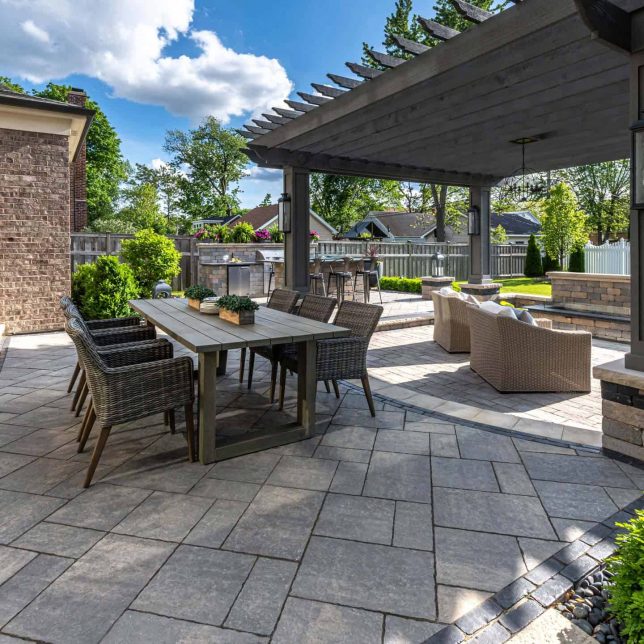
(34, 220)
(595, 292)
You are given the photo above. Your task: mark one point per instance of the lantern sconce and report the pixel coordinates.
(284, 213)
(474, 221)
(637, 165)
(438, 265)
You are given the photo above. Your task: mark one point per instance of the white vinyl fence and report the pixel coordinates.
(609, 258)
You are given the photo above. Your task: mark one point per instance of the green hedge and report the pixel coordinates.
(401, 284)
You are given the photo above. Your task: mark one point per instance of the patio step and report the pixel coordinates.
(405, 322)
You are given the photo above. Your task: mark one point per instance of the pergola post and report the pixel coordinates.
(297, 242)
(480, 244)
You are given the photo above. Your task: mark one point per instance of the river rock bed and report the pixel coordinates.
(587, 607)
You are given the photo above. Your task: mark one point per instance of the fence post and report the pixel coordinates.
(194, 262)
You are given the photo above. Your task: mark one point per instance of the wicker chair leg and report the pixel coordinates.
(190, 432)
(173, 425)
(81, 382)
(367, 392)
(251, 368)
(242, 362)
(326, 384)
(166, 420)
(81, 429)
(83, 396)
(96, 456)
(73, 378)
(282, 384)
(87, 430)
(273, 379)
(336, 388)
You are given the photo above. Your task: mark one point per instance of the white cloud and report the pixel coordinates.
(123, 43)
(157, 164)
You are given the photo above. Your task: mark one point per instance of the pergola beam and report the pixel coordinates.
(363, 70)
(386, 59)
(607, 22)
(289, 114)
(313, 99)
(327, 90)
(267, 125)
(280, 120)
(256, 130)
(345, 81)
(436, 30)
(470, 11)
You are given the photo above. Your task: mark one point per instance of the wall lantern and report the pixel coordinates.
(637, 165)
(161, 290)
(473, 221)
(284, 213)
(438, 265)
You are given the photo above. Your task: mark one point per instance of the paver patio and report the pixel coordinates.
(373, 530)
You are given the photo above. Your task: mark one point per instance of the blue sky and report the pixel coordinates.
(307, 38)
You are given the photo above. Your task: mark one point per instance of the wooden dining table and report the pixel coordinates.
(208, 336)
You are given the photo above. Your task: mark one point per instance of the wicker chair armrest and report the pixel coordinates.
(123, 334)
(544, 323)
(130, 355)
(112, 323)
(328, 348)
(126, 345)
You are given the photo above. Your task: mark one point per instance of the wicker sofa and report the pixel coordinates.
(451, 324)
(514, 356)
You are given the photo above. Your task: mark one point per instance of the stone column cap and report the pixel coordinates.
(617, 373)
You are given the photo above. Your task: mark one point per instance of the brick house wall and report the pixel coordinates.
(34, 229)
(78, 174)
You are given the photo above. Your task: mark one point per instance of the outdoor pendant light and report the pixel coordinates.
(284, 213)
(637, 165)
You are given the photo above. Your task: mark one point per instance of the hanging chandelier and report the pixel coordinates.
(524, 184)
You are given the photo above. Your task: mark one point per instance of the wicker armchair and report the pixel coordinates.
(342, 358)
(515, 357)
(451, 324)
(121, 394)
(281, 299)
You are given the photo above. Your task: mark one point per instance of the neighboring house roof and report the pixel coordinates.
(392, 224)
(516, 223)
(266, 216)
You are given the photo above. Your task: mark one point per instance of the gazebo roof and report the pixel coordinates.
(540, 70)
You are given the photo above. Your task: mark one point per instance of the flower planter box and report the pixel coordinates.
(195, 304)
(237, 317)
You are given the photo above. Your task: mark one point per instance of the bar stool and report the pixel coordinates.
(341, 278)
(271, 275)
(316, 284)
(365, 274)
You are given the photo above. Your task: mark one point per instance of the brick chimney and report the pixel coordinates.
(78, 173)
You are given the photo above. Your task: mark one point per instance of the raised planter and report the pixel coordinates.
(195, 304)
(237, 317)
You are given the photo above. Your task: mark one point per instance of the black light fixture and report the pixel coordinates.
(284, 213)
(524, 184)
(474, 221)
(637, 165)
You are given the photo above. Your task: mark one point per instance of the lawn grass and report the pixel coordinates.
(525, 285)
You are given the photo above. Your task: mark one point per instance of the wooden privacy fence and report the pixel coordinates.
(86, 247)
(609, 258)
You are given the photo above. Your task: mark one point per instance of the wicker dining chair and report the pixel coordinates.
(342, 358)
(281, 299)
(313, 307)
(121, 394)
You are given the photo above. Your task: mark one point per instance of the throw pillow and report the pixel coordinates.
(524, 316)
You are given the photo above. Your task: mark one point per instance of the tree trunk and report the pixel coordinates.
(439, 195)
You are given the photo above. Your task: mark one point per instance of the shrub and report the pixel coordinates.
(214, 233)
(262, 235)
(105, 288)
(627, 566)
(315, 235)
(577, 263)
(533, 264)
(152, 258)
(242, 233)
(550, 264)
(277, 236)
(402, 284)
(198, 293)
(236, 303)
(112, 225)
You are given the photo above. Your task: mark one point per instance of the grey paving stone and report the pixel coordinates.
(12, 560)
(595, 534)
(311, 622)
(622, 497)
(490, 512)
(444, 445)
(580, 567)
(413, 527)
(40, 475)
(477, 618)
(11, 462)
(277, 523)
(454, 602)
(405, 477)
(492, 634)
(349, 478)
(351, 437)
(370, 576)
(101, 507)
(165, 516)
(464, 474)
(513, 592)
(216, 524)
(259, 604)
(570, 529)
(571, 501)
(486, 446)
(206, 580)
(513, 479)
(342, 454)
(476, 560)
(58, 539)
(305, 448)
(356, 517)
(519, 617)
(20, 511)
(575, 469)
(82, 604)
(391, 440)
(303, 473)
(144, 628)
(28, 583)
(250, 468)
(429, 426)
(603, 549)
(223, 489)
(40, 442)
(401, 630)
(524, 445)
(537, 550)
(362, 418)
(552, 590)
(544, 571)
(572, 551)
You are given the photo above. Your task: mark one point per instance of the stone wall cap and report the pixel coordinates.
(591, 277)
(616, 372)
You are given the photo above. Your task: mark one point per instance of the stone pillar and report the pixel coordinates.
(297, 243)
(431, 284)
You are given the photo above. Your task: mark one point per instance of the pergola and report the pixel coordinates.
(556, 74)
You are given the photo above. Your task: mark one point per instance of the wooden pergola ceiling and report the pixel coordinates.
(449, 113)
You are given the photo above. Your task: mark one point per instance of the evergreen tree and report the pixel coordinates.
(533, 264)
(577, 263)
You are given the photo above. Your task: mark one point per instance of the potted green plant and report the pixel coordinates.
(236, 309)
(196, 294)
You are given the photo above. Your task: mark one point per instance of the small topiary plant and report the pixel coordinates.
(237, 303)
(242, 233)
(627, 567)
(198, 292)
(151, 257)
(550, 264)
(533, 264)
(577, 263)
(105, 287)
(401, 284)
